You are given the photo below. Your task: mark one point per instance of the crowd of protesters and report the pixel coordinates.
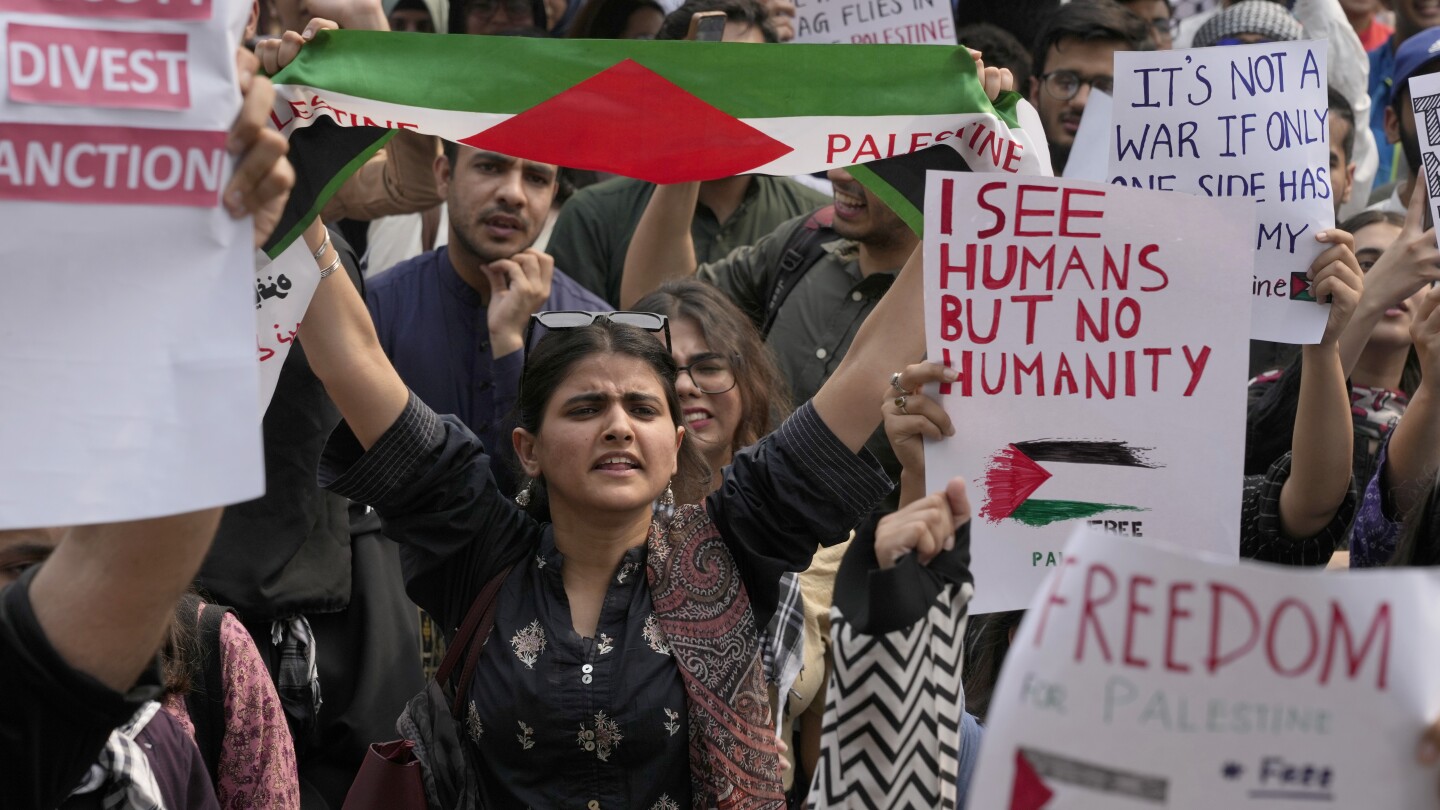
(573, 400)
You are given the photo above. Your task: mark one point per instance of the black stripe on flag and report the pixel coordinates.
(324, 155)
(1118, 454)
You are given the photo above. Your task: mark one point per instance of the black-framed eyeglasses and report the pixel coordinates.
(564, 319)
(711, 374)
(1062, 85)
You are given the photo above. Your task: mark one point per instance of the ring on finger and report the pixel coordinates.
(895, 383)
(900, 404)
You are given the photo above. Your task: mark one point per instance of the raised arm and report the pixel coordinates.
(1414, 452)
(1407, 265)
(892, 337)
(1323, 447)
(344, 352)
(661, 249)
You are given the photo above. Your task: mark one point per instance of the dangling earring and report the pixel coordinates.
(523, 496)
(665, 507)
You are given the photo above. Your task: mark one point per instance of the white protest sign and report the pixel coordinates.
(1146, 677)
(1248, 121)
(127, 340)
(1425, 102)
(283, 289)
(885, 22)
(1102, 363)
(1090, 152)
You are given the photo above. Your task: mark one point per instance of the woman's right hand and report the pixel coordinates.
(926, 527)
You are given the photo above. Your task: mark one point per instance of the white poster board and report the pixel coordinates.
(883, 22)
(1102, 365)
(1425, 102)
(1146, 677)
(1090, 152)
(1247, 121)
(128, 379)
(283, 289)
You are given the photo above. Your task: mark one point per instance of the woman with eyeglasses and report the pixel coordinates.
(624, 668)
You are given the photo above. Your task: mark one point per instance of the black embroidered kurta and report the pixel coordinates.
(607, 743)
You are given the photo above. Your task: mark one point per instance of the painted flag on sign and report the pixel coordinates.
(666, 112)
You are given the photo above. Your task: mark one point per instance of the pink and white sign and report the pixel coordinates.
(97, 68)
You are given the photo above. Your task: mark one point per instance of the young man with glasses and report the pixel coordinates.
(1074, 54)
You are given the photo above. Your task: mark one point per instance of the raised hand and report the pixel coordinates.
(519, 286)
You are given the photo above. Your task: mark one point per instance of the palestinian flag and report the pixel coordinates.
(665, 112)
(1015, 472)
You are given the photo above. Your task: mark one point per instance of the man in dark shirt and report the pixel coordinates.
(593, 231)
(452, 320)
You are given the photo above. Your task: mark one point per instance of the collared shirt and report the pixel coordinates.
(819, 319)
(608, 742)
(1382, 92)
(593, 232)
(434, 328)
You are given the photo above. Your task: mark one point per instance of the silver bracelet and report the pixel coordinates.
(324, 243)
(328, 270)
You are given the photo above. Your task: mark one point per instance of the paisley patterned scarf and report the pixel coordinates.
(705, 613)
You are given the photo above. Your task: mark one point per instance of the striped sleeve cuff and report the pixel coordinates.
(854, 481)
(370, 477)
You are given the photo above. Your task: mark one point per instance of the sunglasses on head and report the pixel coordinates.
(562, 320)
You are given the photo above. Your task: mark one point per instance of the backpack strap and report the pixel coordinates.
(802, 250)
(206, 700)
(470, 639)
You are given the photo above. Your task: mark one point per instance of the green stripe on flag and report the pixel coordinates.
(908, 212)
(511, 74)
(1042, 513)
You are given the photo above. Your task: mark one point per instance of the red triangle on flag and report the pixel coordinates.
(1029, 791)
(630, 120)
(1010, 479)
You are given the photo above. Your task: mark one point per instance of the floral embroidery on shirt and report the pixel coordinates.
(472, 722)
(665, 803)
(526, 736)
(625, 571)
(529, 643)
(603, 739)
(672, 722)
(654, 636)
(539, 561)
(604, 646)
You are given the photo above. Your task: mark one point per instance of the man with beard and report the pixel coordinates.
(453, 320)
(1417, 56)
(1075, 54)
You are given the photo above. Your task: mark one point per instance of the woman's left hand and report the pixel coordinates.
(926, 526)
(911, 417)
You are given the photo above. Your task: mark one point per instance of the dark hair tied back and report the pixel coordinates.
(556, 357)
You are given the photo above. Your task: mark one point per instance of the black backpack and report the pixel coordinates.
(803, 249)
(206, 700)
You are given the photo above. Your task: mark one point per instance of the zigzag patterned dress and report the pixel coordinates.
(891, 737)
